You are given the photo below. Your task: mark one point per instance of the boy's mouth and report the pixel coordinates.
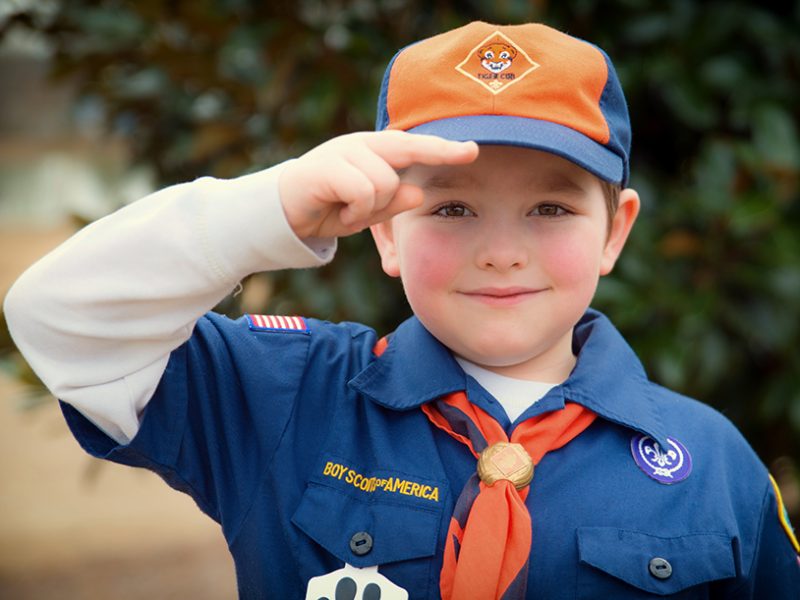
(504, 296)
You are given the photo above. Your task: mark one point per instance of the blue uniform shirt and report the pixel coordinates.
(297, 440)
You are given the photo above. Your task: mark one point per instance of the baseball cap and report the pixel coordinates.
(522, 85)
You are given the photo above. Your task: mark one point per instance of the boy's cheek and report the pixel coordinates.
(429, 260)
(569, 262)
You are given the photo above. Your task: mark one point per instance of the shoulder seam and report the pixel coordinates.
(757, 544)
(265, 470)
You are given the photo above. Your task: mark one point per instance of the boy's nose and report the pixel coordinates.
(502, 251)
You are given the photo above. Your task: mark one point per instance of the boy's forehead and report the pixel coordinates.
(495, 162)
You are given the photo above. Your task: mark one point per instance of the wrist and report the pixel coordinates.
(248, 231)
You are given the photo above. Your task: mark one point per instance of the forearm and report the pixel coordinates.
(98, 317)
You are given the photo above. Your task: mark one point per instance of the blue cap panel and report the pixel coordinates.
(531, 133)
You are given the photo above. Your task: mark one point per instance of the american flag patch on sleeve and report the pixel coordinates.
(276, 323)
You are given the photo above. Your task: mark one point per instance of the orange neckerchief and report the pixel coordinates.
(489, 538)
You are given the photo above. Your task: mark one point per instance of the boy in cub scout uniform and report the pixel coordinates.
(504, 442)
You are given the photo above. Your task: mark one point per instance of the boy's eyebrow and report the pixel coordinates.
(559, 183)
(449, 181)
(553, 182)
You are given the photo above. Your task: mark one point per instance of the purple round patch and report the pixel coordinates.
(667, 466)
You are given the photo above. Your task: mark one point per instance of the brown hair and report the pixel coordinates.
(611, 193)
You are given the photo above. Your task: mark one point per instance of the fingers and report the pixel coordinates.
(383, 179)
(407, 197)
(352, 181)
(376, 161)
(401, 149)
(369, 193)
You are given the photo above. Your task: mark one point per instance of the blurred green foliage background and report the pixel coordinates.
(708, 290)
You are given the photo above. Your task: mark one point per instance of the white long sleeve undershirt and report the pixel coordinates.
(98, 317)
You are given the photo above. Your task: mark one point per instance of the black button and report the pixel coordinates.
(361, 543)
(660, 568)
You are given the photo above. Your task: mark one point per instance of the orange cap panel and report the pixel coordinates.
(525, 71)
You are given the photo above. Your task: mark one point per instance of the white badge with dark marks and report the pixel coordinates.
(665, 465)
(351, 583)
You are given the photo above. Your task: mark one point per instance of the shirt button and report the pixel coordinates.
(361, 543)
(660, 568)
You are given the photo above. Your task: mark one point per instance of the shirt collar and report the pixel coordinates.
(608, 377)
(415, 368)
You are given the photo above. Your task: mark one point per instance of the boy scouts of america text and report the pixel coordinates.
(394, 485)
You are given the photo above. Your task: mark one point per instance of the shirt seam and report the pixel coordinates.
(720, 534)
(205, 242)
(757, 545)
(266, 461)
(161, 467)
(178, 435)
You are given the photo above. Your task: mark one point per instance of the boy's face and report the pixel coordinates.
(504, 255)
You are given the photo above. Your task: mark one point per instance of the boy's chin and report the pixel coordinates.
(546, 362)
(494, 360)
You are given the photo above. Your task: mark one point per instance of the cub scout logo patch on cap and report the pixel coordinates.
(497, 57)
(276, 323)
(496, 63)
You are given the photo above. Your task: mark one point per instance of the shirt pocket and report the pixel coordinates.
(617, 563)
(400, 538)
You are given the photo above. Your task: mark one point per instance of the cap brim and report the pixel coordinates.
(530, 133)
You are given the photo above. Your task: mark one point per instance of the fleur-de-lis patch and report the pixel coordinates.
(665, 465)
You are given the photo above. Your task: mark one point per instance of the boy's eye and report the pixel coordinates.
(453, 211)
(550, 210)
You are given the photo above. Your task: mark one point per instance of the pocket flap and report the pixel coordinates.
(396, 531)
(694, 558)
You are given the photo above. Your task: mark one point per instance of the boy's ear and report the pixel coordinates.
(383, 235)
(621, 226)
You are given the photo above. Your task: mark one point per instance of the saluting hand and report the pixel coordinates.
(351, 182)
